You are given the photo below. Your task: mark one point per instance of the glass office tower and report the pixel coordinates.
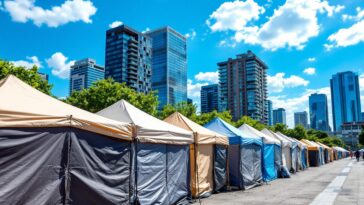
(319, 114)
(209, 98)
(169, 63)
(243, 87)
(279, 116)
(345, 97)
(84, 73)
(128, 58)
(270, 113)
(300, 118)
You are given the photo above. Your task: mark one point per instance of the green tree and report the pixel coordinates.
(249, 121)
(104, 93)
(280, 128)
(186, 109)
(299, 132)
(204, 118)
(30, 76)
(361, 136)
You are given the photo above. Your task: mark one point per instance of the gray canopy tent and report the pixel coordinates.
(54, 153)
(160, 153)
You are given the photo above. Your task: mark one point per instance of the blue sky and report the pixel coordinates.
(302, 42)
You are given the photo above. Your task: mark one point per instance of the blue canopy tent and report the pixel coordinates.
(270, 147)
(294, 152)
(245, 155)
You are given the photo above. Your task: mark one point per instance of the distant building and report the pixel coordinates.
(345, 97)
(300, 118)
(43, 76)
(350, 133)
(243, 87)
(319, 113)
(84, 73)
(279, 116)
(209, 98)
(169, 65)
(128, 58)
(189, 101)
(362, 116)
(270, 113)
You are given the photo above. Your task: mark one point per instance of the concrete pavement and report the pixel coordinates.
(339, 183)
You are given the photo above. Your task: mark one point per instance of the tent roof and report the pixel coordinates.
(247, 129)
(149, 128)
(310, 145)
(323, 145)
(24, 106)
(285, 142)
(293, 143)
(204, 135)
(234, 134)
(300, 144)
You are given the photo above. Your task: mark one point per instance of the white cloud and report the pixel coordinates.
(60, 65)
(299, 103)
(115, 24)
(146, 30)
(278, 82)
(310, 71)
(359, 16)
(278, 31)
(312, 59)
(29, 63)
(211, 77)
(191, 35)
(346, 36)
(234, 15)
(70, 11)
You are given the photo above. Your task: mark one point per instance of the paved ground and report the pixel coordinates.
(339, 183)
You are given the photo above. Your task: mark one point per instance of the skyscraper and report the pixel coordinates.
(243, 87)
(128, 58)
(169, 64)
(279, 116)
(209, 98)
(319, 114)
(83, 73)
(270, 113)
(300, 118)
(345, 97)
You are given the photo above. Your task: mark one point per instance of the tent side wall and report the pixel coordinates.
(162, 173)
(251, 165)
(63, 165)
(269, 168)
(235, 178)
(278, 159)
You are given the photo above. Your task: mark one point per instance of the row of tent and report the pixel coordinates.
(52, 152)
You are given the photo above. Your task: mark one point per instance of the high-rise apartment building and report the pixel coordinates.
(345, 97)
(300, 118)
(169, 64)
(270, 113)
(279, 116)
(243, 87)
(209, 98)
(43, 76)
(319, 114)
(83, 73)
(128, 58)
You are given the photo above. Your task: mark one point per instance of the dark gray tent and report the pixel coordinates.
(53, 153)
(161, 155)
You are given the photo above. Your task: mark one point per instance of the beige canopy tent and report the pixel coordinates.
(201, 155)
(23, 106)
(63, 154)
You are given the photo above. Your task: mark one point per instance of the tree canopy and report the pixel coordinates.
(30, 76)
(104, 93)
(249, 121)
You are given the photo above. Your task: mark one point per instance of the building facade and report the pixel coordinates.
(319, 113)
(43, 76)
(300, 118)
(279, 116)
(243, 87)
(345, 97)
(350, 132)
(169, 64)
(128, 58)
(270, 113)
(83, 73)
(209, 98)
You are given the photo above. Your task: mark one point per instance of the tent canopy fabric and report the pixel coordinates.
(310, 144)
(234, 134)
(24, 106)
(245, 128)
(292, 142)
(203, 135)
(148, 128)
(284, 141)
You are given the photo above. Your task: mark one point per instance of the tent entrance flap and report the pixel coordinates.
(251, 165)
(220, 166)
(269, 168)
(38, 176)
